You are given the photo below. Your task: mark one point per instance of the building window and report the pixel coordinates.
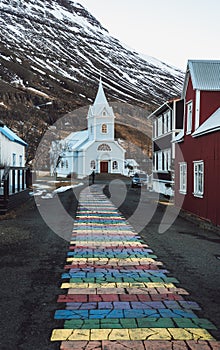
(160, 126)
(167, 122)
(62, 163)
(104, 128)
(92, 164)
(198, 178)
(13, 159)
(167, 160)
(155, 128)
(20, 160)
(189, 107)
(104, 147)
(67, 165)
(183, 177)
(115, 165)
(162, 161)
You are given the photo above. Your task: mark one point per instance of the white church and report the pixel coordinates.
(93, 149)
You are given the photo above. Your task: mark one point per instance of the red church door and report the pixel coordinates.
(104, 167)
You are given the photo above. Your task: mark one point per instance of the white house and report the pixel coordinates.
(12, 148)
(12, 160)
(93, 149)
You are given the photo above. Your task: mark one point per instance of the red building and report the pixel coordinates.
(197, 162)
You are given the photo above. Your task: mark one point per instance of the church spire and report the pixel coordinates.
(100, 97)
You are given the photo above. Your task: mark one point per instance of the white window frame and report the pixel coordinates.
(14, 160)
(183, 177)
(198, 178)
(115, 165)
(167, 159)
(162, 161)
(93, 164)
(160, 126)
(167, 122)
(104, 128)
(155, 128)
(20, 160)
(155, 161)
(189, 113)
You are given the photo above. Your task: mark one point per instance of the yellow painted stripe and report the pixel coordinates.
(131, 334)
(118, 285)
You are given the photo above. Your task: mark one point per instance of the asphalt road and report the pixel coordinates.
(32, 257)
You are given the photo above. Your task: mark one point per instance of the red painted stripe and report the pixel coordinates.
(88, 298)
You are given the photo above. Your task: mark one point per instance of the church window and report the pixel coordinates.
(104, 113)
(104, 147)
(115, 165)
(104, 128)
(67, 165)
(92, 164)
(62, 163)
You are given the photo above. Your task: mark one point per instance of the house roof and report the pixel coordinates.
(212, 124)
(179, 137)
(205, 75)
(11, 135)
(162, 108)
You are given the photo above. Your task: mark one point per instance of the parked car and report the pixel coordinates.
(139, 180)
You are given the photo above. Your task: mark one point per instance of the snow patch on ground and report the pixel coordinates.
(41, 190)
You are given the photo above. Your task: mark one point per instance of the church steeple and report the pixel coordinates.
(101, 117)
(100, 97)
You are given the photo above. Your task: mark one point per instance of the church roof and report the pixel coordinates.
(100, 97)
(76, 139)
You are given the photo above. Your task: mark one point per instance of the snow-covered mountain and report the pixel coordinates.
(55, 50)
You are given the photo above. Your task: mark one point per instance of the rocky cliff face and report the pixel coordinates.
(52, 54)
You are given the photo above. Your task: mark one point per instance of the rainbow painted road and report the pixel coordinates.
(117, 295)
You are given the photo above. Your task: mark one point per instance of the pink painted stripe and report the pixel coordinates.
(73, 247)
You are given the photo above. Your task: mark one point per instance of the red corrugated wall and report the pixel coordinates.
(206, 148)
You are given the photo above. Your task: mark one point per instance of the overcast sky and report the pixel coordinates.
(172, 31)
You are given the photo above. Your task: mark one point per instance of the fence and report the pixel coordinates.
(15, 182)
